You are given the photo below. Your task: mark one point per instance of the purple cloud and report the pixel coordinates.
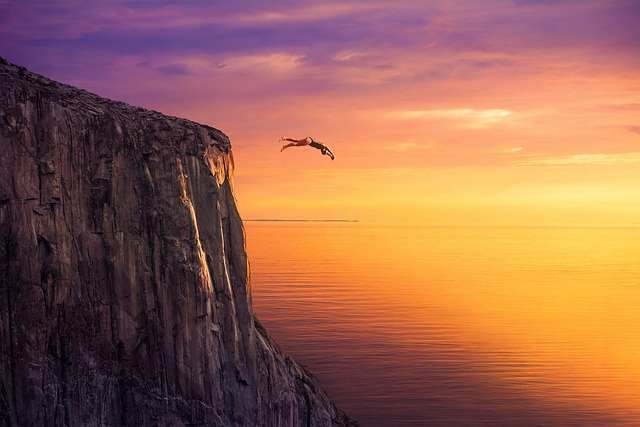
(175, 70)
(97, 42)
(311, 28)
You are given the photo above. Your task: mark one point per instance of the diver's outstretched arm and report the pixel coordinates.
(284, 147)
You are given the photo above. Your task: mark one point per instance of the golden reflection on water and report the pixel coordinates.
(458, 326)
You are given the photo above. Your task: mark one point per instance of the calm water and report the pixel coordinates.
(458, 326)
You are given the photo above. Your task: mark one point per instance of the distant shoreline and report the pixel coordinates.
(444, 226)
(301, 220)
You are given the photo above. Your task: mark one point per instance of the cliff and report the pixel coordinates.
(124, 282)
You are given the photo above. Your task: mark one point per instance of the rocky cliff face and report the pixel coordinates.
(124, 284)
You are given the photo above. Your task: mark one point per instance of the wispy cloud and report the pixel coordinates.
(174, 69)
(402, 147)
(312, 12)
(276, 63)
(510, 150)
(634, 129)
(280, 62)
(587, 159)
(348, 55)
(621, 106)
(466, 116)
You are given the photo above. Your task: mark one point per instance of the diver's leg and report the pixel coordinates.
(294, 142)
(299, 141)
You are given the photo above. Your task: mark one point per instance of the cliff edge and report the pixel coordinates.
(124, 282)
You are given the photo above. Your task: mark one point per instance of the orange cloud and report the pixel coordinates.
(465, 116)
(587, 159)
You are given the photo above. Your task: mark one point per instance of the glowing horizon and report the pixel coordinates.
(496, 112)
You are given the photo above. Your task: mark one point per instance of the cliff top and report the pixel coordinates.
(14, 76)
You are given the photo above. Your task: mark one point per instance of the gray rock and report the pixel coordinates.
(124, 282)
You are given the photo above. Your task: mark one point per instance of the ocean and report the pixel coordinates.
(457, 326)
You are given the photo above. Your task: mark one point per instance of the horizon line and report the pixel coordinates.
(422, 225)
(299, 220)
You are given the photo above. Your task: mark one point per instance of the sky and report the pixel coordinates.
(487, 112)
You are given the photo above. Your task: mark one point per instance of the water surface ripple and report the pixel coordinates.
(414, 326)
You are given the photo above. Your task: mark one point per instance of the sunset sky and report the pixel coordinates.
(442, 112)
